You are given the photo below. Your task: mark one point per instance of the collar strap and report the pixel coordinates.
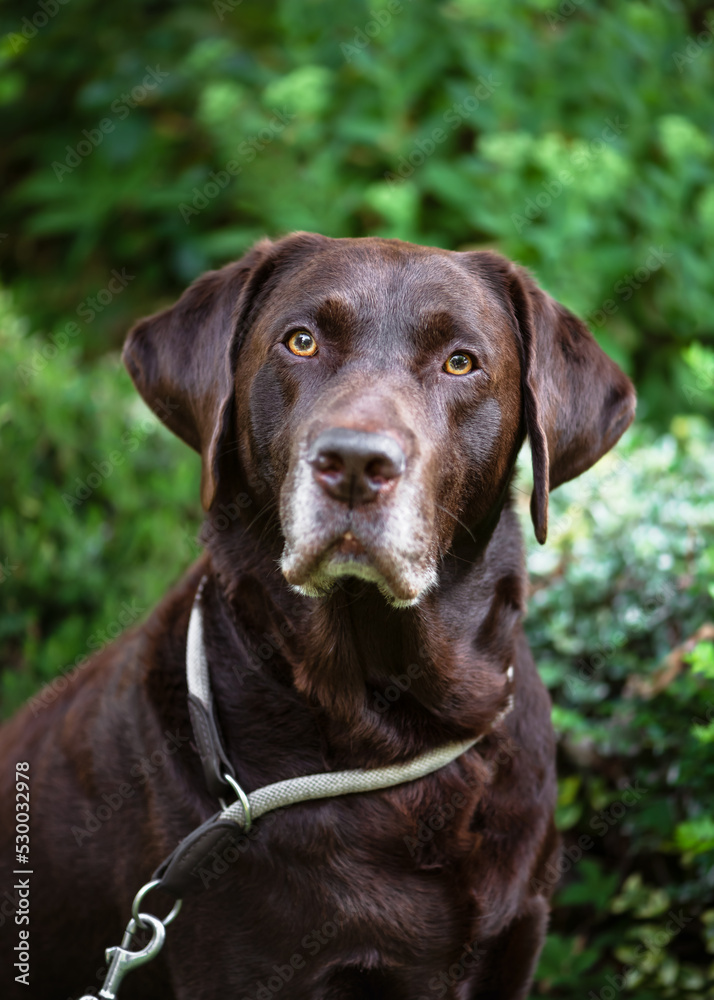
(217, 768)
(205, 853)
(332, 783)
(180, 872)
(219, 773)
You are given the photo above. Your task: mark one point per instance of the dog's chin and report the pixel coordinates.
(316, 575)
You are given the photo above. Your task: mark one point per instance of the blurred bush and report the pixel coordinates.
(574, 137)
(99, 509)
(621, 624)
(146, 143)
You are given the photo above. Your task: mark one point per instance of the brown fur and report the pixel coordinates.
(421, 891)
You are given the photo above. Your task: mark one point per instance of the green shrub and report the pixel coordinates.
(99, 507)
(573, 137)
(621, 593)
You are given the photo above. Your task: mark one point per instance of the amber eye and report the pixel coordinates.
(302, 343)
(459, 364)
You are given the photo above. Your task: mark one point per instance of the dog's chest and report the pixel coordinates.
(344, 890)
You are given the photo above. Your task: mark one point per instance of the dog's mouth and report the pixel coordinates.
(348, 549)
(383, 536)
(316, 567)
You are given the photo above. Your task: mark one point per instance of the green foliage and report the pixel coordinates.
(99, 508)
(574, 137)
(621, 622)
(145, 143)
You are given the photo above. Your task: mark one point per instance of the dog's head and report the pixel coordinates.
(382, 391)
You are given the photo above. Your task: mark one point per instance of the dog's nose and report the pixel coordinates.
(355, 466)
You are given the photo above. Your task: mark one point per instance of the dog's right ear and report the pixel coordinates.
(577, 401)
(182, 359)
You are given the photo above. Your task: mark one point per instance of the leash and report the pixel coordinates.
(178, 873)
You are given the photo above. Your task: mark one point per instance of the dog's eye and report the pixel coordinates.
(459, 364)
(302, 343)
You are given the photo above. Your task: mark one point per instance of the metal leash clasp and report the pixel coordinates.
(121, 958)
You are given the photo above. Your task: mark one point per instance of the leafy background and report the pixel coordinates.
(575, 137)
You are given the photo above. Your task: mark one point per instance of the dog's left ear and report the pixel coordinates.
(183, 358)
(577, 402)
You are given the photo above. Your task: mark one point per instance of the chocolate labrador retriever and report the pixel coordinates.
(358, 406)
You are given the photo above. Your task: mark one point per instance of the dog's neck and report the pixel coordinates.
(382, 683)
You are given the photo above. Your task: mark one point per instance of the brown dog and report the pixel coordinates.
(358, 406)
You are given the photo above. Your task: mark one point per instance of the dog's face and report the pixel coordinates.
(382, 391)
(379, 394)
